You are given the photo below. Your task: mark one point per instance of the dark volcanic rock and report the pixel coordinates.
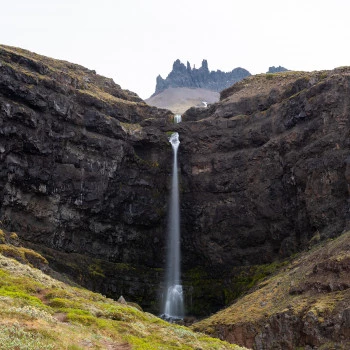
(271, 317)
(79, 173)
(85, 169)
(182, 76)
(267, 168)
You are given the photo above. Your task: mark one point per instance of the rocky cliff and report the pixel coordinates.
(41, 312)
(305, 306)
(185, 76)
(266, 168)
(79, 174)
(85, 169)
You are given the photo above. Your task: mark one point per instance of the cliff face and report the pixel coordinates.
(79, 174)
(306, 305)
(266, 169)
(74, 173)
(185, 76)
(85, 170)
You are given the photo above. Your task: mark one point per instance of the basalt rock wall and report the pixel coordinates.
(85, 169)
(78, 171)
(267, 168)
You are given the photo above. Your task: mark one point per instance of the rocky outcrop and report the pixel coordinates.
(79, 173)
(185, 76)
(278, 69)
(266, 169)
(306, 305)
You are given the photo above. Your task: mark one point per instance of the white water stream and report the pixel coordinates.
(177, 118)
(174, 305)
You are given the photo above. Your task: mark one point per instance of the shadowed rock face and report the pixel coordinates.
(306, 305)
(85, 169)
(78, 171)
(266, 168)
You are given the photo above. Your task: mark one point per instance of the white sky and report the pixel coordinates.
(132, 41)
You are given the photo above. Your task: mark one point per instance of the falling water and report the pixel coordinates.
(173, 307)
(177, 118)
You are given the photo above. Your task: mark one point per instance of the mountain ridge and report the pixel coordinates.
(185, 76)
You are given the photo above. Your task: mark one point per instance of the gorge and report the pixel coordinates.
(85, 169)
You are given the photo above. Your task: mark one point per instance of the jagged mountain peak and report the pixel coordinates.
(278, 69)
(183, 76)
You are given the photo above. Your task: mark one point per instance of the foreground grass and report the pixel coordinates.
(39, 312)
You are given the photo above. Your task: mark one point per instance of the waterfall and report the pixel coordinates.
(174, 306)
(177, 118)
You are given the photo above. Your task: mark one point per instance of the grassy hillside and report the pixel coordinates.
(309, 298)
(50, 72)
(40, 312)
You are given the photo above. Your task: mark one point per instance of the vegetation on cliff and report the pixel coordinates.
(38, 311)
(264, 174)
(307, 303)
(47, 70)
(73, 144)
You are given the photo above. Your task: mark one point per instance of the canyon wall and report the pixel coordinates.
(267, 168)
(85, 175)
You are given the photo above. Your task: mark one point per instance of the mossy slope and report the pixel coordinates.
(38, 311)
(309, 299)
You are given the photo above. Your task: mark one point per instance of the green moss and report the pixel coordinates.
(122, 312)
(84, 319)
(12, 252)
(96, 270)
(210, 292)
(21, 254)
(74, 347)
(59, 293)
(151, 343)
(146, 163)
(13, 239)
(2, 237)
(3, 275)
(239, 117)
(60, 303)
(25, 298)
(297, 94)
(99, 319)
(33, 258)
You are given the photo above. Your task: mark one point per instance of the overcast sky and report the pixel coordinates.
(132, 41)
